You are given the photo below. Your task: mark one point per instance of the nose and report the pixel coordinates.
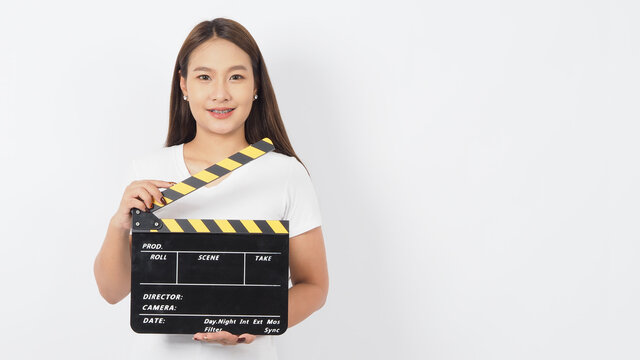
(219, 91)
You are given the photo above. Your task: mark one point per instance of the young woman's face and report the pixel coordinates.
(219, 77)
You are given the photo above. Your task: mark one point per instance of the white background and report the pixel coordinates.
(476, 165)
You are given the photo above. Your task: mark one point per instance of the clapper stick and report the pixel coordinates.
(207, 275)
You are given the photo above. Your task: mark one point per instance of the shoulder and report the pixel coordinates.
(288, 165)
(277, 158)
(281, 168)
(277, 161)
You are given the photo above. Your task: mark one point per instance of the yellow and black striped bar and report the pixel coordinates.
(219, 226)
(213, 172)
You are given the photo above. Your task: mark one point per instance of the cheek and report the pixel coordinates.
(245, 93)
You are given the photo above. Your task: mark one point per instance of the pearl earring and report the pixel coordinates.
(255, 96)
(184, 97)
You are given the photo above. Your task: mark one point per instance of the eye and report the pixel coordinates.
(236, 75)
(202, 75)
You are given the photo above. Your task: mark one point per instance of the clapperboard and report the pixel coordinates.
(208, 275)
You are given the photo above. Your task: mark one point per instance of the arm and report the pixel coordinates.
(309, 275)
(112, 266)
(308, 265)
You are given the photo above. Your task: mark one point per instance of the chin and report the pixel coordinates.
(222, 130)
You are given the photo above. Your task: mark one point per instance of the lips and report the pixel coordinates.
(221, 115)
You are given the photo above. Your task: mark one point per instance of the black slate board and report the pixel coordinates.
(184, 283)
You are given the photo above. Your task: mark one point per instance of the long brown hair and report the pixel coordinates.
(264, 119)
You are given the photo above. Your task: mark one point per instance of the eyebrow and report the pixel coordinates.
(235, 67)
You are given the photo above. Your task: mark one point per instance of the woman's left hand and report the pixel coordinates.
(224, 338)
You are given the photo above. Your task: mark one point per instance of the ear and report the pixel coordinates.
(183, 83)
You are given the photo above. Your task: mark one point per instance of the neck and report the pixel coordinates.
(214, 147)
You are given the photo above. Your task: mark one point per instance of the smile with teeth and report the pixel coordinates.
(221, 111)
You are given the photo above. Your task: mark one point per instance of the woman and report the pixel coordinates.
(221, 102)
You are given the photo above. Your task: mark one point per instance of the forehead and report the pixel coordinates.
(218, 54)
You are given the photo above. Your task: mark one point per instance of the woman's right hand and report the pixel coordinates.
(140, 194)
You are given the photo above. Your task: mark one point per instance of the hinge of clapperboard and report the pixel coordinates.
(148, 222)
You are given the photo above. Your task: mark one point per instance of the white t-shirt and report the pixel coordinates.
(272, 187)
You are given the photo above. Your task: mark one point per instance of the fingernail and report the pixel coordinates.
(241, 339)
(163, 200)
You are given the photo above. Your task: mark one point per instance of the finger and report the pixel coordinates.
(156, 196)
(158, 184)
(151, 194)
(162, 184)
(228, 339)
(246, 338)
(134, 203)
(222, 337)
(138, 191)
(155, 190)
(151, 187)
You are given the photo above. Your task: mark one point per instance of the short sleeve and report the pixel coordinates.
(302, 208)
(129, 173)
